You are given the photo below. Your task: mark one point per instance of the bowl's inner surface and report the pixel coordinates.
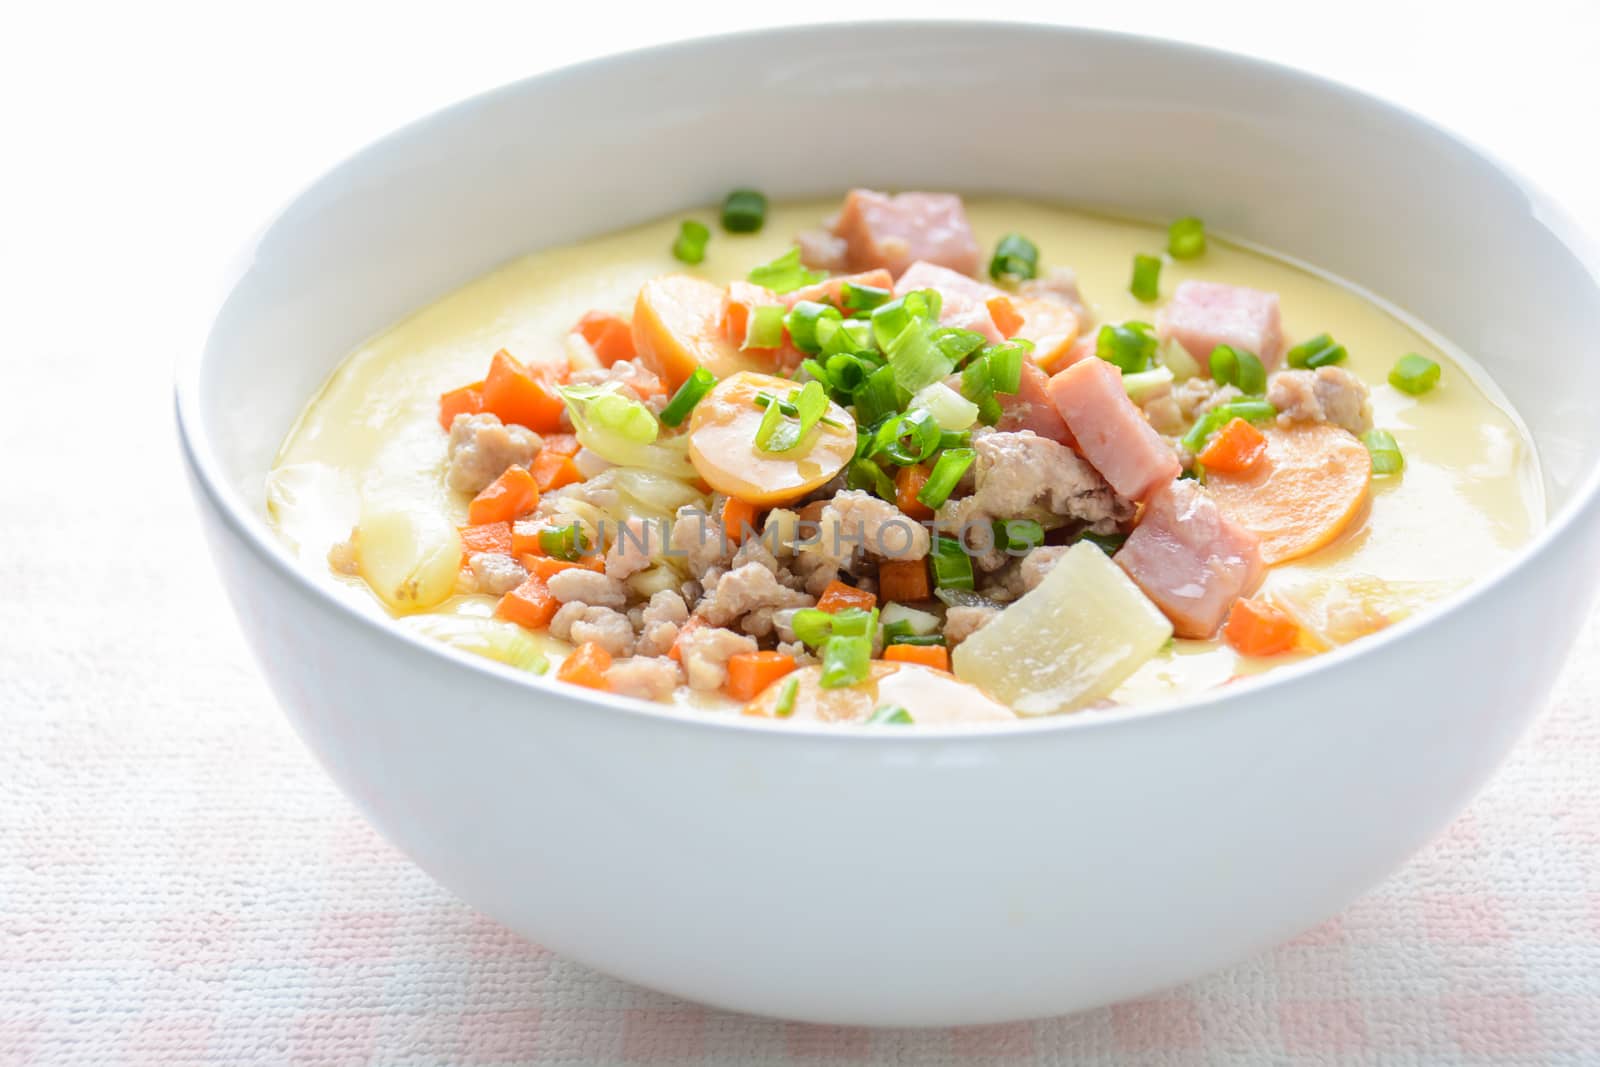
(1118, 125)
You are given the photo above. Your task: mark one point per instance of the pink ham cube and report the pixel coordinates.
(896, 231)
(1190, 560)
(1203, 315)
(963, 301)
(1111, 431)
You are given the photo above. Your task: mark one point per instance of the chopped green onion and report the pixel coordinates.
(907, 439)
(890, 714)
(691, 392)
(866, 475)
(840, 336)
(914, 639)
(878, 396)
(1017, 535)
(902, 619)
(1015, 259)
(845, 661)
(890, 320)
(1238, 368)
(1414, 374)
(764, 398)
(786, 697)
(802, 322)
(1107, 543)
(954, 439)
(1186, 238)
(1129, 345)
(854, 622)
(956, 344)
(897, 629)
(807, 405)
(950, 409)
(1320, 351)
(765, 328)
(1146, 284)
(744, 211)
(978, 388)
(863, 297)
(812, 625)
(1005, 365)
(770, 421)
(785, 273)
(609, 410)
(1147, 383)
(690, 247)
(565, 542)
(946, 474)
(1220, 416)
(1385, 452)
(952, 567)
(848, 373)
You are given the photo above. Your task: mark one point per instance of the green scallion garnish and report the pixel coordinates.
(913, 639)
(1238, 368)
(1386, 455)
(854, 622)
(1015, 259)
(765, 328)
(690, 247)
(565, 542)
(908, 439)
(785, 274)
(1218, 417)
(1005, 364)
(845, 661)
(1107, 543)
(1146, 283)
(1414, 374)
(813, 626)
(879, 396)
(977, 386)
(1018, 535)
(866, 475)
(690, 393)
(890, 715)
(744, 211)
(1320, 351)
(955, 438)
(802, 323)
(1129, 345)
(1186, 238)
(838, 336)
(863, 297)
(952, 567)
(945, 476)
(786, 697)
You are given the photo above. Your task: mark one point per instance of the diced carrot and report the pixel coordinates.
(468, 400)
(903, 580)
(1005, 315)
(908, 482)
(609, 334)
(693, 623)
(751, 672)
(1311, 486)
(1236, 448)
(552, 470)
(562, 444)
(737, 517)
(529, 604)
(522, 394)
(1256, 628)
(525, 537)
(936, 656)
(489, 537)
(545, 566)
(509, 496)
(838, 596)
(586, 666)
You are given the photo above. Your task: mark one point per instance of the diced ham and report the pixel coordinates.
(1031, 407)
(1190, 560)
(963, 301)
(820, 249)
(1203, 315)
(831, 291)
(895, 231)
(1111, 431)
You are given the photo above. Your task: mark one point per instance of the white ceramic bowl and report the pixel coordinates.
(928, 877)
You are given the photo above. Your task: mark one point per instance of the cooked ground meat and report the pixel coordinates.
(636, 381)
(797, 651)
(645, 677)
(1164, 413)
(1198, 396)
(637, 542)
(496, 574)
(746, 589)
(961, 623)
(580, 585)
(659, 622)
(855, 522)
(701, 540)
(706, 650)
(481, 448)
(579, 622)
(1061, 284)
(1327, 394)
(1038, 563)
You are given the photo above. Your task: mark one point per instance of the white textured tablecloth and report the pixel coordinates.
(179, 883)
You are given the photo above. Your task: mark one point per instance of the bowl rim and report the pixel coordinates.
(209, 480)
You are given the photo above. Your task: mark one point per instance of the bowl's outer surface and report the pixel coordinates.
(939, 878)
